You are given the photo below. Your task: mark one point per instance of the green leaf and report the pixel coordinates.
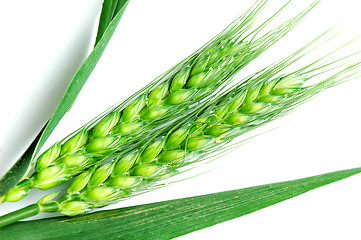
(170, 219)
(105, 32)
(109, 9)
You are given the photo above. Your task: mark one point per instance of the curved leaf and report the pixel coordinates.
(170, 219)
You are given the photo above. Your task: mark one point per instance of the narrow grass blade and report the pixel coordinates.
(21, 166)
(110, 9)
(170, 219)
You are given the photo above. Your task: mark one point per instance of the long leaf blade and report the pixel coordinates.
(169, 219)
(19, 169)
(106, 16)
(81, 76)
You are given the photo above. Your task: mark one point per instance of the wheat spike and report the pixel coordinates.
(259, 100)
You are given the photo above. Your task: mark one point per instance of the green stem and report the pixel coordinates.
(23, 213)
(49, 207)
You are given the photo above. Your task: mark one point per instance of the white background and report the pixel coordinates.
(43, 43)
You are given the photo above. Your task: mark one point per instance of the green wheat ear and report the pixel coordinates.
(164, 100)
(252, 103)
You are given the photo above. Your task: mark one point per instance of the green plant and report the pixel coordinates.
(272, 155)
